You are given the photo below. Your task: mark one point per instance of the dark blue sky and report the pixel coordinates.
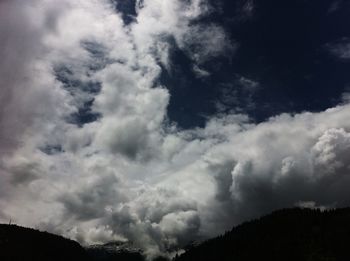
(284, 47)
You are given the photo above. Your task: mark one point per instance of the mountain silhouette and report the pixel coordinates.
(26, 244)
(288, 234)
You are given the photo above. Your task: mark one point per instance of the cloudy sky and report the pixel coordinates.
(167, 121)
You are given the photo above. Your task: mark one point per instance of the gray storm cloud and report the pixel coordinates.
(128, 174)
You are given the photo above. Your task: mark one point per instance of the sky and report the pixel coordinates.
(162, 122)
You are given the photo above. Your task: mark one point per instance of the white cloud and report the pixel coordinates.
(129, 175)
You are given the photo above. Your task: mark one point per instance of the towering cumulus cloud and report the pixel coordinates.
(87, 150)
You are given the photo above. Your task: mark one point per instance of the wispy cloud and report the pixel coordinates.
(340, 49)
(334, 6)
(237, 97)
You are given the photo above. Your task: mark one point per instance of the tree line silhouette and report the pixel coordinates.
(288, 235)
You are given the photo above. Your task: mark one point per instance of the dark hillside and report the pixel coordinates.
(290, 234)
(25, 244)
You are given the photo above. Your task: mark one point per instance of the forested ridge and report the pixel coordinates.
(26, 244)
(287, 234)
